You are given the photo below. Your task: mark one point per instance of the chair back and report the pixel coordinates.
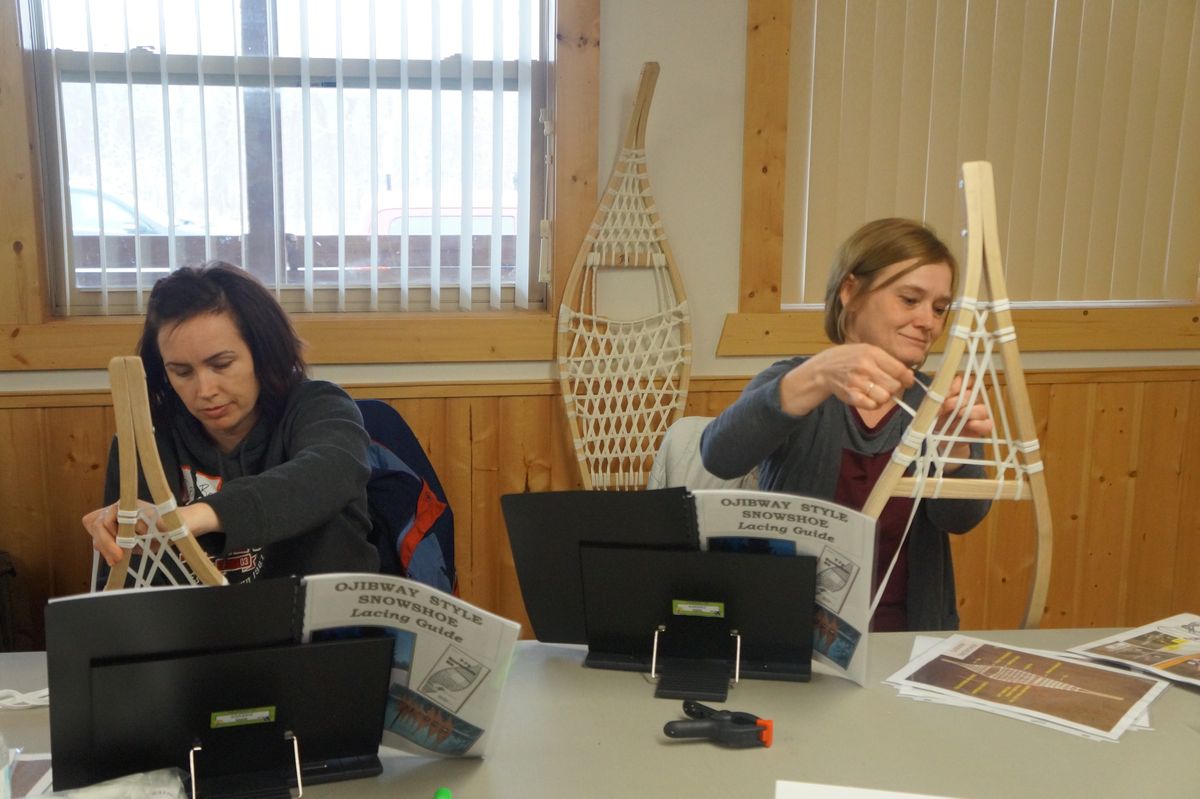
(678, 460)
(413, 522)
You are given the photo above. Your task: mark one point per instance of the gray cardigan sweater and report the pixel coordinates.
(292, 494)
(800, 455)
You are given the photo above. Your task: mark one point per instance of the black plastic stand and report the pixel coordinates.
(278, 777)
(697, 678)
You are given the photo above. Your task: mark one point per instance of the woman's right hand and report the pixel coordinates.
(101, 524)
(861, 375)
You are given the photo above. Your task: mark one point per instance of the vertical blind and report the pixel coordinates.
(356, 155)
(1088, 111)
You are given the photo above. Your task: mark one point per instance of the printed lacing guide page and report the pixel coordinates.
(449, 657)
(1054, 689)
(841, 539)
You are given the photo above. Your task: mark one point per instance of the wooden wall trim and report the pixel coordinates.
(21, 261)
(55, 399)
(764, 153)
(84, 398)
(89, 343)
(1039, 330)
(576, 161)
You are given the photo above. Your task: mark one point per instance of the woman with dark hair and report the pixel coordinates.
(269, 467)
(825, 426)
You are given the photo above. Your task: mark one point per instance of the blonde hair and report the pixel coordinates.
(873, 247)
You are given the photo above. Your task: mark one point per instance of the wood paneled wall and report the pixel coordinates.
(1120, 449)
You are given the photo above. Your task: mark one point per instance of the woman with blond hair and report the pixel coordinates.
(825, 425)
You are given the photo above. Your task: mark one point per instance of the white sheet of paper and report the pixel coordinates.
(809, 790)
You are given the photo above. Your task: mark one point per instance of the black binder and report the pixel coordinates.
(629, 593)
(716, 613)
(607, 568)
(546, 530)
(139, 678)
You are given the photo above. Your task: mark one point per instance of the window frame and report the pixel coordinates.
(278, 259)
(33, 339)
(761, 327)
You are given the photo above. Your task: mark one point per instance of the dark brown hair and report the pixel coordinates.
(219, 287)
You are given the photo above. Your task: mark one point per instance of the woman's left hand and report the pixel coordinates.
(973, 418)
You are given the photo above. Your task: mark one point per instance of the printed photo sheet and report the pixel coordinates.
(922, 643)
(1042, 687)
(1167, 648)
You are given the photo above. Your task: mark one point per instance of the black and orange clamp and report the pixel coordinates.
(729, 727)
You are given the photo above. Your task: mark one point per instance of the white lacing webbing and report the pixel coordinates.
(156, 561)
(630, 234)
(127, 517)
(1008, 457)
(625, 378)
(626, 382)
(12, 699)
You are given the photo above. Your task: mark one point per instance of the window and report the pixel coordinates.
(330, 146)
(1080, 109)
(1093, 174)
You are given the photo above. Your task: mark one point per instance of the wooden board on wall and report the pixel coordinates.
(1155, 520)
(1069, 447)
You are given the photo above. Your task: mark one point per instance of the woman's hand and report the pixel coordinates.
(101, 524)
(861, 375)
(974, 418)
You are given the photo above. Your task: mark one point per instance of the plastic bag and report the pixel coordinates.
(7, 758)
(164, 783)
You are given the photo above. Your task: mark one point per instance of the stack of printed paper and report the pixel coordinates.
(1052, 689)
(1167, 648)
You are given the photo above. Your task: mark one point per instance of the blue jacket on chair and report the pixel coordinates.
(413, 523)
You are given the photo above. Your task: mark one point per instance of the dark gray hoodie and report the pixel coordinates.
(291, 497)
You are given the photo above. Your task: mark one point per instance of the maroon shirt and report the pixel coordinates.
(857, 476)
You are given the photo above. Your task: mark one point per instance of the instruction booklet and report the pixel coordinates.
(449, 662)
(842, 540)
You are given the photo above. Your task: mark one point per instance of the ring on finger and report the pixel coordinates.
(870, 388)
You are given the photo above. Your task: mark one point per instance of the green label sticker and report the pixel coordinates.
(242, 717)
(690, 607)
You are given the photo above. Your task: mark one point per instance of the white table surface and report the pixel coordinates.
(569, 731)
